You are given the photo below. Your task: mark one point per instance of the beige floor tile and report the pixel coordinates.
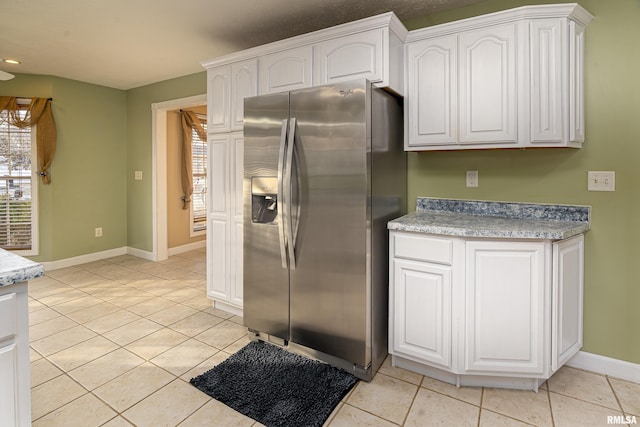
(42, 371)
(399, 373)
(77, 304)
(385, 397)
(48, 290)
(237, 345)
(42, 315)
(93, 312)
(118, 422)
(186, 294)
(214, 413)
(434, 409)
(471, 395)
(628, 394)
(35, 305)
(185, 356)
(34, 355)
(222, 335)
(111, 321)
(84, 352)
(156, 343)
(172, 314)
(199, 302)
(583, 385)
(349, 416)
(570, 412)
(217, 312)
(491, 419)
(131, 387)
(527, 406)
(168, 406)
(105, 368)
(62, 297)
(128, 301)
(132, 331)
(61, 340)
(151, 306)
(203, 367)
(195, 324)
(50, 327)
(117, 291)
(54, 394)
(96, 414)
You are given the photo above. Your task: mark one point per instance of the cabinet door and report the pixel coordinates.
(352, 57)
(576, 82)
(244, 83)
(422, 311)
(286, 70)
(218, 99)
(9, 387)
(432, 89)
(548, 82)
(218, 233)
(487, 61)
(505, 307)
(568, 286)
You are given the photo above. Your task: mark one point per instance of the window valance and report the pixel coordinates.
(38, 112)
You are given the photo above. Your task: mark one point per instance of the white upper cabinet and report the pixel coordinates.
(228, 85)
(487, 82)
(218, 99)
(433, 73)
(519, 79)
(244, 83)
(286, 70)
(351, 57)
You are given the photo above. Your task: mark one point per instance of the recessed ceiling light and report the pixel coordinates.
(10, 61)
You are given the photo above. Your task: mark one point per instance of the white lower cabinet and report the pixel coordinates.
(15, 382)
(499, 313)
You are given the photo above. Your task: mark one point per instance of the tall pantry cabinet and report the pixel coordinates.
(227, 86)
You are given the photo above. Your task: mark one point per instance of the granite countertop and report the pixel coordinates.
(468, 218)
(15, 269)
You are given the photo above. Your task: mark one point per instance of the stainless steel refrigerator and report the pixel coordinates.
(324, 171)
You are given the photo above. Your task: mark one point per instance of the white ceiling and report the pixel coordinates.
(130, 43)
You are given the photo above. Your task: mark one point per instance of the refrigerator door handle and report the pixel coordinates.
(288, 196)
(280, 201)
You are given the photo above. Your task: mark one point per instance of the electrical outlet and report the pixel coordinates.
(137, 175)
(601, 181)
(98, 231)
(472, 178)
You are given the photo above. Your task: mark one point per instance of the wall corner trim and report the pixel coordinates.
(607, 366)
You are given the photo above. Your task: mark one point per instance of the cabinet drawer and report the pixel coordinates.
(423, 248)
(7, 315)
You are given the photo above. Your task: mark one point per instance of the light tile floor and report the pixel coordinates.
(115, 342)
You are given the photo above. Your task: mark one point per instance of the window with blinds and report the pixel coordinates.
(17, 190)
(199, 197)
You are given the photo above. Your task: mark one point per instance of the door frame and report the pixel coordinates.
(159, 168)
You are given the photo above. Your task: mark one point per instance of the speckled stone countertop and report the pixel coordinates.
(469, 218)
(15, 269)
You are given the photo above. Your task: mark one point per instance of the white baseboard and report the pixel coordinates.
(187, 248)
(607, 366)
(149, 256)
(83, 259)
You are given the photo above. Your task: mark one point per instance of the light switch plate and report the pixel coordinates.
(472, 178)
(601, 181)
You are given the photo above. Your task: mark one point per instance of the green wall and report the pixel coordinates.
(139, 151)
(612, 67)
(88, 184)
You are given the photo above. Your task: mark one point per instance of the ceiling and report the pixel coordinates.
(125, 44)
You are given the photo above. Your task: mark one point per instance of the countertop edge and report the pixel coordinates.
(16, 269)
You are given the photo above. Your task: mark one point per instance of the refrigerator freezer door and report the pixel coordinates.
(329, 290)
(266, 282)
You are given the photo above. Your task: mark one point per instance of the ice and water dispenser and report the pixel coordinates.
(264, 199)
